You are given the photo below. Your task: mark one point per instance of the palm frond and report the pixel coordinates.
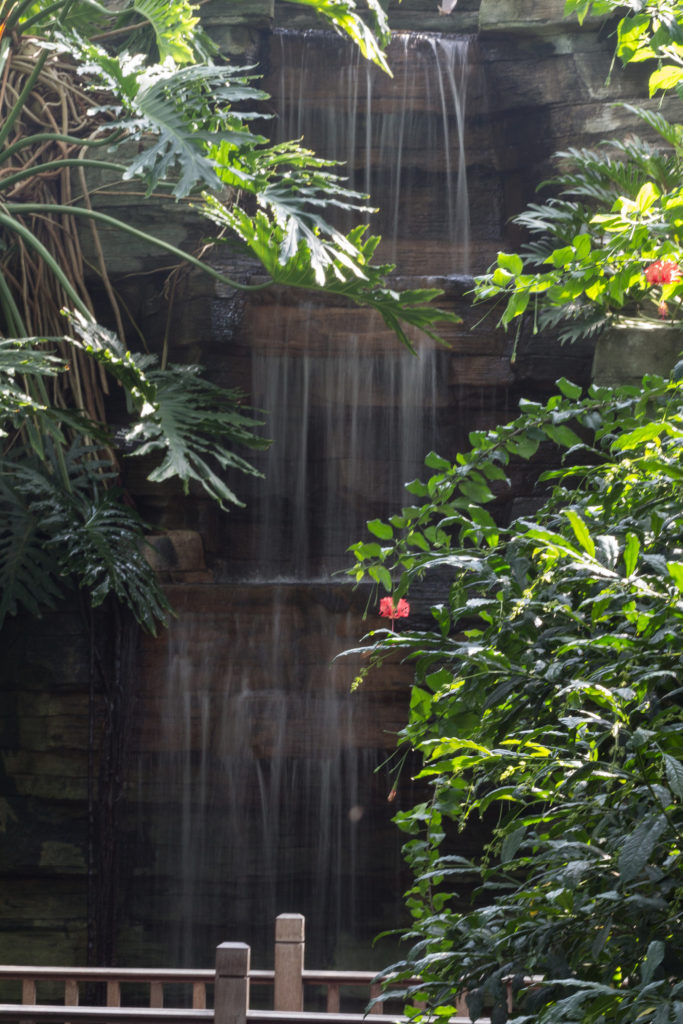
(670, 132)
(557, 217)
(620, 169)
(577, 320)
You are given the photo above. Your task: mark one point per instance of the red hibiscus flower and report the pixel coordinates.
(663, 272)
(389, 610)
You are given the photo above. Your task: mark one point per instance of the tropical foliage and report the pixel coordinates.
(546, 701)
(137, 90)
(615, 211)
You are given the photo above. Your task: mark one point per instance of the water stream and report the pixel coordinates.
(401, 140)
(264, 759)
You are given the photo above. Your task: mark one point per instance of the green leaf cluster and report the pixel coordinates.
(615, 211)
(149, 100)
(65, 521)
(547, 702)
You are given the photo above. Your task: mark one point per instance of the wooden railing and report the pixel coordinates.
(227, 988)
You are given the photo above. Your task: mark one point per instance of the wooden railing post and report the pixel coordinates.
(288, 991)
(231, 991)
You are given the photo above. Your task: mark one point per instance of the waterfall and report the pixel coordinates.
(265, 760)
(352, 413)
(353, 418)
(259, 792)
(401, 140)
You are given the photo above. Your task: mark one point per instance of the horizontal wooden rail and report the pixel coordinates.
(104, 1014)
(226, 988)
(164, 975)
(333, 981)
(154, 1015)
(114, 977)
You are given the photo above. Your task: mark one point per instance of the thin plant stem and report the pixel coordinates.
(104, 218)
(18, 106)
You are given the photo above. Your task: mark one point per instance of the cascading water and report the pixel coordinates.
(353, 414)
(353, 420)
(266, 766)
(400, 140)
(264, 758)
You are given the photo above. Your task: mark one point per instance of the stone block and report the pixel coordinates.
(527, 16)
(178, 556)
(625, 354)
(62, 858)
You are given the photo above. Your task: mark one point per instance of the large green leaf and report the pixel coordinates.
(195, 425)
(29, 572)
(76, 532)
(344, 16)
(326, 265)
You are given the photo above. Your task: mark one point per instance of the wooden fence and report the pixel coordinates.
(227, 988)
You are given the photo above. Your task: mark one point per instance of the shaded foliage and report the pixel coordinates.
(547, 691)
